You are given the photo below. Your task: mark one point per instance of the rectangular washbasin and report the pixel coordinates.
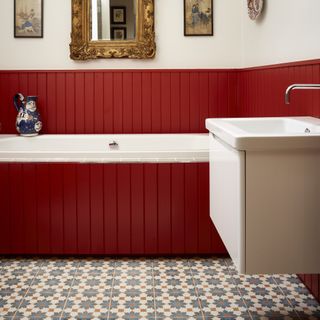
(267, 133)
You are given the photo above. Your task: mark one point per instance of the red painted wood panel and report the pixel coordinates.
(118, 102)
(146, 106)
(178, 208)
(43, 208)
(127, 101)
(5, 235)
(175, 105)
(9, 111)
(165, 99)
(137, 209)
(83, 209)
(164, 209)
(56, 188)
(70, 103)
(61, 102)
(191, 208)
(110, 208)
(194, 94)
(16, 197)
(105, 209)
(70, 209)
(80, 108)
(151, 208)
(203, 98)
(29, 204)
(137, 103)
(185, 102)
(51, 103)
(205, 224)
(89, 102)
(24, 83)
(156, 102)
(124, 209)
(108, 106)
(96, 209)
(98, 103)
(213, 95)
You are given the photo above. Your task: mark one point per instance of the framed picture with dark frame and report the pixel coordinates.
(118, 15)
(198, 18)
(119, 33)
(28, 18)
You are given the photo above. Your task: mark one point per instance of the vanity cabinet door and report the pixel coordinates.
(282, 211)
(227, 195)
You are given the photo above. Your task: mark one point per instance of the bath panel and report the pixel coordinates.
(126, 209)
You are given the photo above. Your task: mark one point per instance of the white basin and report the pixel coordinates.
(264, 192)
(267, 133)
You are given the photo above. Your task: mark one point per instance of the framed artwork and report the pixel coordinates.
(118, 33)
(118, 15)
(198, 17)
(28, 18)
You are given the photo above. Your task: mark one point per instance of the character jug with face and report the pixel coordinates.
(28, 121)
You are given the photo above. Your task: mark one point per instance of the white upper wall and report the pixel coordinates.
(288, 30)
(174, 50)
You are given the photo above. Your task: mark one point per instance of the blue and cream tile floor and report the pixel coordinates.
(193, 288)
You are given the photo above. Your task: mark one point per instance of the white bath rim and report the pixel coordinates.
(105, 148)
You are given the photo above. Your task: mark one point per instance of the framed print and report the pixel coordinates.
(198, 17)
(28, 18)
(118, 15)
(119, 33)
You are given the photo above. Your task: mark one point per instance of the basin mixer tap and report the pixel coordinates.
(299, 87)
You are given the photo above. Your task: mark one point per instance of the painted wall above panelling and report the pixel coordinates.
(174, 50)
(288, 30)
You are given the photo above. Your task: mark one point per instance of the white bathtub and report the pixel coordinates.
(94, 148)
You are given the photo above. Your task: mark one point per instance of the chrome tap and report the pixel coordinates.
(113, 144)
(299, 87)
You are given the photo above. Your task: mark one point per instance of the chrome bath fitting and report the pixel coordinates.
(299, 87)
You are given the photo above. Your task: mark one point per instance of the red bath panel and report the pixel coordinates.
(106, 209)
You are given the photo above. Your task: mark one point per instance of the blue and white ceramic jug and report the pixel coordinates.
(28, 121)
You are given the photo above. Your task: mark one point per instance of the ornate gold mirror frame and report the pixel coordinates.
(83, 48)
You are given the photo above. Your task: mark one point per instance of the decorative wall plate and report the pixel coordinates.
(254, 8)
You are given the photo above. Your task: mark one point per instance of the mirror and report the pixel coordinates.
(113, 19)
(112, 29)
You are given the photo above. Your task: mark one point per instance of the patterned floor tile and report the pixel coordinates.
(132, 293)
(21, 265)
(60, 265)
(263, 297)
(175, 294)
(47, 295)
(13, 287)
(219, 296)
(213, 265)
(300, 298)
(89, 296)
(96, 266)
(175, 288)
(231, 267)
